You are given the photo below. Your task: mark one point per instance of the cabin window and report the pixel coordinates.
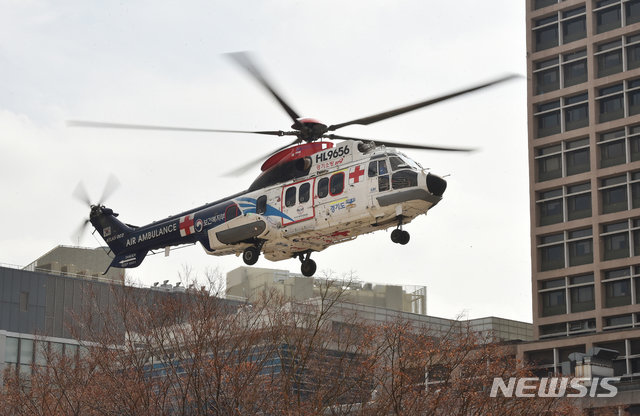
(261, 205)
(323, 187)
(290, 197)
(232, 211)
(337, 184)
(305, 189)
(404, 179)
(377, 167)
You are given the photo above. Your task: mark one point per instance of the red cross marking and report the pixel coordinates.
(356, 174)
(186, 225)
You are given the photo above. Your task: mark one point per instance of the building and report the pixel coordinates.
(78, 261)
(583, 102)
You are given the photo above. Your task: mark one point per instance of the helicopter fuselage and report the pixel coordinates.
(314, 197)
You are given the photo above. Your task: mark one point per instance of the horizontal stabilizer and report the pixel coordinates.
(124, 261)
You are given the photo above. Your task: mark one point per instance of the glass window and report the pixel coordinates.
(397, 163)
(633, 56)
(579, 201)
(548, 118)
(290, 196)
(609, 58)
(547, 80)
(26, 351)
(617, 293)
(552, 257)
(546, 37)
(383, 183)
(323, 187)
(632, 12)
(550, 207)
(576, 115)
(582, 298)
(614, 197)
(618, 321)
(613, 153)
(580, 247)
(11, 350)
(404, 179)
(372, 171)
(575, 72)
(539, 4)
(232, 211)
(554, 303)
(576, 28)
(261, 205)
(608, 18)
(616, 241)
(337, 184)
(305, 192)
(577, 160)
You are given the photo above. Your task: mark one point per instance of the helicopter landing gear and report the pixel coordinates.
(250, 255)
(308, 266)
(399, 236)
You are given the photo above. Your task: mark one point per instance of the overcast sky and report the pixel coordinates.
(161, 62)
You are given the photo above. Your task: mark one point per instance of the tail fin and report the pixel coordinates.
(113, 231)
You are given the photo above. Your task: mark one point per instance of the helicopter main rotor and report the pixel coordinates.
(305, 129)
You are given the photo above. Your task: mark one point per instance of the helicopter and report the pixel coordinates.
(317, 191)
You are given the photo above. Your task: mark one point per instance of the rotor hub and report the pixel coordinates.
(310, 129)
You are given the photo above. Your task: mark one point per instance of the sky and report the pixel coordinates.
(163, 63)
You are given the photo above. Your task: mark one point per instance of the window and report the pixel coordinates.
(576, 112)
(619, 100)
(323, 187)
(261, 205)
(383, 183)
(11, 350)
(574, 200)
(397, 163)
(609, 58)
(608, 15)
(621, 239)
(618, 322)
(571, 248)
(336, 184)
(305, 191)
(546, 32)
(547, 76)
(617, 287)
(377, 167)
(563, 159)
(582, 293)
(574, 68)
(290, 197)
(574, 25)
(571, 23)
(561, 71)
(232, 211)
(404, 179)
(632, 12)
(539, 4)
(554, 302)
(567, 114)
(615, 191)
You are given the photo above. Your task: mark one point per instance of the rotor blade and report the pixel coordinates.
(79, 232)
(81, 194)
(242, 169)
(402, 145)
(392, 113)
(112, 184)
(101, 125)
(243, 59)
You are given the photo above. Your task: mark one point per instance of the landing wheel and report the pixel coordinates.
(250, 255)
(308, 267)
(404, 237)
(396, 235)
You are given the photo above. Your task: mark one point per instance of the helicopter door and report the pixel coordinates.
(378, 176)
(297, 202)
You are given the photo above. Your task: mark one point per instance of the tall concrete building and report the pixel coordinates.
(583, 101)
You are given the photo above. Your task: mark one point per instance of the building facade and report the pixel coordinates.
(583, 102)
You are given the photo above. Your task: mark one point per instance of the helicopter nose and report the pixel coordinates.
(436, 184)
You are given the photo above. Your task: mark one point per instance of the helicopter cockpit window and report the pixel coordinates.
(383, 183)
(337, 184)
(304, 192)
(232, 211)
(377, 167)
(404, 179)
(261, 205)
(290, 197)
(397, 163)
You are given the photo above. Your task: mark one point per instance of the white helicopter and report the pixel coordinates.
(310, 195)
